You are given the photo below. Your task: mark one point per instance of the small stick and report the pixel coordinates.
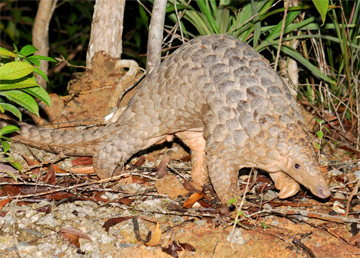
(353, 192)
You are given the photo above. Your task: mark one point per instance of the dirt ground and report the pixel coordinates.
(301, 226)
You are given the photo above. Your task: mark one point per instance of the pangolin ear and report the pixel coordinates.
(288, 162)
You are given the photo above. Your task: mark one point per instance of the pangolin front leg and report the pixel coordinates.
(285, 184)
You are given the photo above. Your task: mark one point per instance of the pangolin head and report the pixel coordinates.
(301, 165)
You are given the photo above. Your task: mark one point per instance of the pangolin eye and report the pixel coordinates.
(297, 166)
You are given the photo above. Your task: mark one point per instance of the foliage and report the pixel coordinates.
(18, 85)
(320, 132)
(17, 82)
(322, 7)
(69, 32)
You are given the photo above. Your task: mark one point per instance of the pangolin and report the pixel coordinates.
(224, 101)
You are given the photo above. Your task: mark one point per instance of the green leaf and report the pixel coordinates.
(208, 16)
(12, 109)
(35, 61)
(317, 146)
(22, 99)
(16, 164)
(8, 129)
(293, 54)
(315, 71)
(15, 70)
(17, 84)
(320, 134)
(322, 6)
(223, 19)
(15, 49)
(46, 58)
(41, 73)
(257, 25)
(231, 201)
(28, 50)
(277, 30)
(5, 52)
(144, 17)
(5, 146)
(318, 120)
(6, 139)
(39, 93)
(13, 163)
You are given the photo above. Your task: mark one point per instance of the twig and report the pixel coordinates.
(240, 207)
(353, 192)
(281, 34)
(313, 215)
(83, 184)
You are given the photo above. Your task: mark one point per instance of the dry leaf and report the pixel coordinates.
(204, 204)
(4, 202)
(84, 170)
(187, 247)
(3, 214)
(72, 235)
(71, 239)
(171, 186)
(112, 222)
(58, 196)
(193, 199)
(50, 176)
(82, 161)
(140, 161)
(338, 207)
(162, 168)
(188, 186)
(172, 250)
(59, 170)
(11, 190)
(35, 171)
(156, 236)
(126, 201)
(46, 209)
(324, 169)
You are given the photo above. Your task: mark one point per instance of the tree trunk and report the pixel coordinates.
(106, 29)
(155, 35)
(40, 35)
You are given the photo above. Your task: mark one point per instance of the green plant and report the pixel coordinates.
(232, 201)
(264, 225)
(18, 86)
(17, 81)
(320, 132)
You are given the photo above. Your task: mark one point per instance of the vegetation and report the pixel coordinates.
(18, 86)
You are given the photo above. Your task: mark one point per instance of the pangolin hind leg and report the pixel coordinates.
(119, 148)
(223, 174)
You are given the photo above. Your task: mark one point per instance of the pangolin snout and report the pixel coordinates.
(323, 192)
